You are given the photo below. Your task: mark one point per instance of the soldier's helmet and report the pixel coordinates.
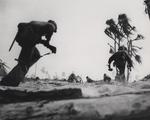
(54, 25)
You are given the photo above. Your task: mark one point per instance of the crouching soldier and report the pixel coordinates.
(28, 35)
(106, 78)
(89, 80)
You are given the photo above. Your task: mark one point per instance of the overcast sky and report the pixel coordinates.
(81, 43)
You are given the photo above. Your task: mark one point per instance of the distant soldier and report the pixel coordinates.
(89, 80)
(106, 78)
(120, 59)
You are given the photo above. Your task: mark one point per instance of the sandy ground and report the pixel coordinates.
(60, 100)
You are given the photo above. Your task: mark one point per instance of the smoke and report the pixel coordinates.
(45, 72)
(90, 92)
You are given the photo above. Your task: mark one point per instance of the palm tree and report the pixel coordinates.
(119, 33)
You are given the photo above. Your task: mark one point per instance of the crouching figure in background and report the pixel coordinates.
(106, 78)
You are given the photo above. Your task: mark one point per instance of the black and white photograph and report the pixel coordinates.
(74, 60)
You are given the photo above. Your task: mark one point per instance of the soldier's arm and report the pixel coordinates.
(113, 57)
(48, 36)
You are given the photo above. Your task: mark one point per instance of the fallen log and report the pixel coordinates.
(14, 95)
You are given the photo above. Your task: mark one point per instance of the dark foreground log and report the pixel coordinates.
(121, 107)
(14, 95)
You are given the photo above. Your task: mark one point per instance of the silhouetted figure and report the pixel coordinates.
(74, 78)
(120, 59)
(89, 80)
(106, 78)
(28, 35)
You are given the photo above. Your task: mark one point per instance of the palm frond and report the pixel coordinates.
(123, 18)
(110, 22)
(137, 47)
(109, 33)
(139, 37)
(134, 50)
(111, 51)
(123, 21)
(147, 7)
(134, 28)
(138, 59)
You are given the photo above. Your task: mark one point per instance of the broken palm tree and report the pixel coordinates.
(123, 34)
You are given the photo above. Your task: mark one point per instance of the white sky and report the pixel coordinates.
(80, 40)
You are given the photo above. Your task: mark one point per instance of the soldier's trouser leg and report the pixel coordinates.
(27, 58)
(120, 78)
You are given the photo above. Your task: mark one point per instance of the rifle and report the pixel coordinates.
(13, 43)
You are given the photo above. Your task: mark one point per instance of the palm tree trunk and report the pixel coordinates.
(130, 54)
